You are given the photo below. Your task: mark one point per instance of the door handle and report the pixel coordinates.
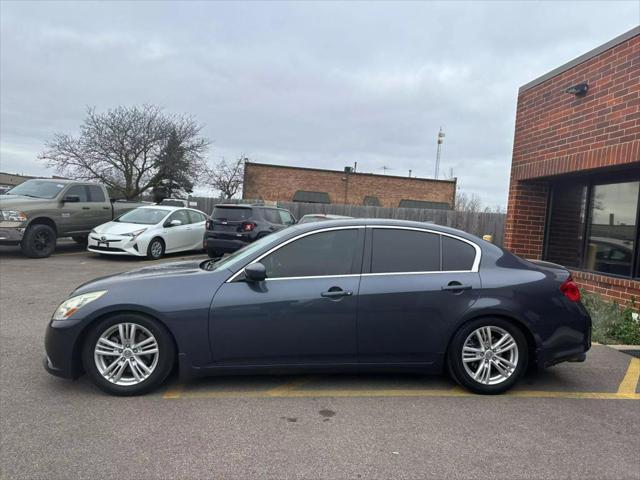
(336, 292)
(86, 208)
(456, 287)
(106, 208)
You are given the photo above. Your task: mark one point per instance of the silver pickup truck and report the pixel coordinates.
(37, 212)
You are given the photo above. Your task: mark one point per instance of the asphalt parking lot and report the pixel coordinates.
(576, 420)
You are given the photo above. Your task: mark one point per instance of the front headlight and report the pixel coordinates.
(135, 234)
(13, 216)
(73, 304)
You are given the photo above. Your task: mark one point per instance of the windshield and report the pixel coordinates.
(37, 189)
(240, 255)
(231, 213)
(143, 216)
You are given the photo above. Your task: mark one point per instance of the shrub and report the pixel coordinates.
(611, 323)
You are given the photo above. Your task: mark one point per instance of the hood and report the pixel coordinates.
(20, 201)
(120, 228)
(167, 270)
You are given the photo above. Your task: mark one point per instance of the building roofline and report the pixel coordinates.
(581, 59)
(454, 180)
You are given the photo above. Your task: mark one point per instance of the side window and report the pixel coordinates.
(404, 251)
(179, 215)
(195, 217)
(457, 255)
(325, 253)
(95, 194)
(78, 191)
(286, 217)
(272, 216)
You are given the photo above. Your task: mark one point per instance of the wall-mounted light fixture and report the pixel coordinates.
(579, 90)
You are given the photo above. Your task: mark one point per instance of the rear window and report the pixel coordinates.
(457, 255)
(231, 213)
(404, 251)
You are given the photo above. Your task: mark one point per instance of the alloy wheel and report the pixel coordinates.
(126, 354)
(490, 355)
(156, 249)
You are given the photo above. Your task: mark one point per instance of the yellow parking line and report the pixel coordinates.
(630, 381)
(287, 387)
(174, 392)
(450, 393)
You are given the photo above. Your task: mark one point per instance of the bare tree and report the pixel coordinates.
(123, 148)
(468, 203)
(227, 178)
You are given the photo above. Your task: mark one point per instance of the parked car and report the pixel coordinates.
(233, 226)
(319, 217)
(150, 231)
(178, 202)
(37, 212)
(326, 296)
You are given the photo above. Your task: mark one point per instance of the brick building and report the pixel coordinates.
(286, 184)
(574, 197)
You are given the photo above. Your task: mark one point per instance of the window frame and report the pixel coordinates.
(83, 188)
(240, 271)
(475, 267)
(591, 182)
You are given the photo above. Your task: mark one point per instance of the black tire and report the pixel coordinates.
(166, 355)
(39, 241)
(213, 253)
(80, 239)
(457, 368)
(153, 251)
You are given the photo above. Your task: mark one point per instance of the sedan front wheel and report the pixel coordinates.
(128, 355)
(488, 355)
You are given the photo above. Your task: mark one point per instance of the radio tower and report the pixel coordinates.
(440, 140)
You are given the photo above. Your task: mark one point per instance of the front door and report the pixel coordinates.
(408, 296)
(178, 237)
(305, 312)
(75, 215)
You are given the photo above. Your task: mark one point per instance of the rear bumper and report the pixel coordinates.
(224, 245)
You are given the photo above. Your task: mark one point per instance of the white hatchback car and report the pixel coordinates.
(150, 231)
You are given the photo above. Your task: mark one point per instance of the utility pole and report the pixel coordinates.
(409, 173)
(438, 152)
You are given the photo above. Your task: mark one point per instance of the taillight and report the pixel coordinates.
(570, 290)
(209, 225)
(248, 226)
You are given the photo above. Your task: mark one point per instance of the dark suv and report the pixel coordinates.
(233, 226)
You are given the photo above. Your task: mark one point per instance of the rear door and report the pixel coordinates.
(408, 293)
(227, 220)
(100, 207)
(76, 216)
(196, 228)
(303, 313)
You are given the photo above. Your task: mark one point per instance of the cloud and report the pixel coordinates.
(309, 84)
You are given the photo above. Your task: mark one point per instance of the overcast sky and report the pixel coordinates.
(306, 84)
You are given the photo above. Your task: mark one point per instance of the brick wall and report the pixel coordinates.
(558, 134)
(279, 183)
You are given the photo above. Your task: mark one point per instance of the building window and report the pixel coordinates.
(594, 226)
(371, 201)
(311, 197)
(612, 232)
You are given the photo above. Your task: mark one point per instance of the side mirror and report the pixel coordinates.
(255, 272)
(174, 223)
(71, 199)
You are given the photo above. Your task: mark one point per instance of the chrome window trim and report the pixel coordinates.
(474, 268)
(277, 247)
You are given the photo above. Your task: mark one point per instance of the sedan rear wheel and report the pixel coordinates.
(128, 355)
(488, 355)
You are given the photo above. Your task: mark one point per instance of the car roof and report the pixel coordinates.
(348, 222)
(168, 208)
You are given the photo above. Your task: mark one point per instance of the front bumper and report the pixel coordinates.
(114, 245)
(11, 235)
(62, 358)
